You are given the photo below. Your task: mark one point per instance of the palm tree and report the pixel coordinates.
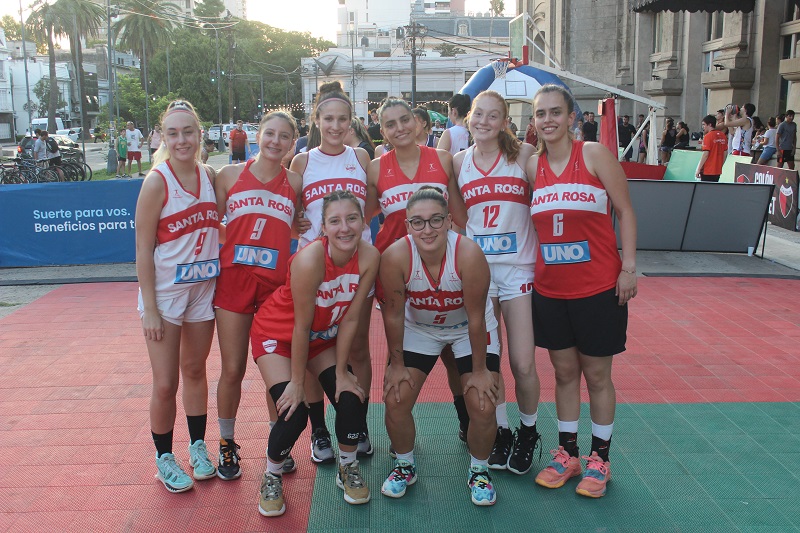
(496, 8)
(145, 28)
(80, 19)
(46, 26)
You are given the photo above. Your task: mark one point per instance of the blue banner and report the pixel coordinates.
(68, 223)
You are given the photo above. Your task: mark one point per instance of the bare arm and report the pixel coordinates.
(456, 205)
(148, 214)
(372, 206)
(703, 159)
(394, 264)
(444, 141)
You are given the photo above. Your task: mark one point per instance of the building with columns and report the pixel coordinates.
(695, 63)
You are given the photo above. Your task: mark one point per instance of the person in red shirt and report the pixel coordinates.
(238, 142)
(715, 148)
(530, 134)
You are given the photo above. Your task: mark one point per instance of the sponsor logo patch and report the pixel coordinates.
(565, 253)
(255, 256)
(200, 271)
(269, 345)
(503, 243)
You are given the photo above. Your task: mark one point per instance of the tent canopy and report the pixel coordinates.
(708, 6)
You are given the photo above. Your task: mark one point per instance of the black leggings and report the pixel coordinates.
(350, 418)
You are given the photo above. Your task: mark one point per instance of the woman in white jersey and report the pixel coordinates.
(177, 261)
(436, 285)
(334, 166)
(494, 200)
(456, 138)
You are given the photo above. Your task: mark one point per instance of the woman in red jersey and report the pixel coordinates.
(177, 261)
(259, 199)
(311, 323)
(391, 181)
(581, 286)
(331, 166)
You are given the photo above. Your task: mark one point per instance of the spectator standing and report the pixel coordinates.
(154, 139)
(743, 136)
(238, 142)
(769, 143)
(682, 137)
(40, 145)
(122, 154)
(303, 128)
(787, 140)
(590, 128)
(668, 137)
(530, 133)
(374, 128)
(578, 131)
(715, 148)
(626, 133)
(134, 138)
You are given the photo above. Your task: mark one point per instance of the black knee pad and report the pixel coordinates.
(350, 413)
(285, 432)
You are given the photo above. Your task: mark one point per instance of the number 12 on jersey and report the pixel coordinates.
(490, 214)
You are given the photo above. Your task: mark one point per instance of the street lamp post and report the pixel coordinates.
(220, 141)
(25, 62)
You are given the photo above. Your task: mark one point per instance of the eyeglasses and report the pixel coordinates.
(435, 222)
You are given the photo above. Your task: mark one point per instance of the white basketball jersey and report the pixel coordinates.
(498, 211)
(459, 139)
(438, 308)
(324, 174)
(187, 249)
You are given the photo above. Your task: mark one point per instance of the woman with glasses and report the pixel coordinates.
(392, 179)
(177, 262)
(436, 284)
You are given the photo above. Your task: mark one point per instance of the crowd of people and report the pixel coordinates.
(481, 232)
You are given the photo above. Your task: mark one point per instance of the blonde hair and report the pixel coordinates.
(178, 106)
(568, 99)
(508, 142)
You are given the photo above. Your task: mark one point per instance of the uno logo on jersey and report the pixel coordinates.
(502, 243)
(565, 253)
(200, 271)
(324, 335)
(255, 256)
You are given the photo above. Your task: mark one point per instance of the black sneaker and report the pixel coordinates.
(228, 460)
(462, 432)
(498, 459)
(321, 451)
(364, 448)
(525, 442)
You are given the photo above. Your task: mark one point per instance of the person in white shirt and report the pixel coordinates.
(40, 146)
(134, 138)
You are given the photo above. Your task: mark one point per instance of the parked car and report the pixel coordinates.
(67, 147)
(72, 133)
(65, 141)
(213, 132)
(25, 147)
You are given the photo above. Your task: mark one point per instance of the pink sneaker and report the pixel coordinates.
(561, 468)
(597, 476)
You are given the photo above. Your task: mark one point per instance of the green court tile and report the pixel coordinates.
(776, 485)
(630, 488)
(758, 425)
(652, 444)
(625, 410)
(697, 515)
(641, 516)
(620, 463)
(789, 460)
(707, 463)
(671, 426)
(780, 411)
(757, 463)
(728, 486)
(788, 507)
(679, 444)
(753, 512)
(674, 487)
(629, 426)
(728, 444)
(652, 464)
(718, 425)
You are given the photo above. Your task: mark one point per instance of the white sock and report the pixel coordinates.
(345, 458)
(602, 432)
(406, 457)
(226, 427)
(478, 462)
(276, 469)
(567, 427)
(528, 420)
(501, 415)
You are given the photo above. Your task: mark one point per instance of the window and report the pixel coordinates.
(658, 32)
(468, 74)
(374, 99)
(715, 25)
(188, 4)
(463, 29)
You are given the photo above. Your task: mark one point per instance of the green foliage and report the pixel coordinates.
(12, 28)
(209, 9)
(496, 7)
(449, 50)
(42, 92)
(131, 103)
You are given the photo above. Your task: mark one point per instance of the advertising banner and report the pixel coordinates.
(68, 223)
(783, 207)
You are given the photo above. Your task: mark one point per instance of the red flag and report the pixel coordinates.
(608, 125)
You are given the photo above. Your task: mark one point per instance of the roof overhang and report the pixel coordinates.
(655, 6)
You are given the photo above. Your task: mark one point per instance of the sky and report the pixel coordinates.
(286, 15)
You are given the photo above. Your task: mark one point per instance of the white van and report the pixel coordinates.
(41, 123)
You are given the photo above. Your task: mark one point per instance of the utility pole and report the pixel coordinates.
(414, 31)
(110, 67)
(231, 46)
(27, 82)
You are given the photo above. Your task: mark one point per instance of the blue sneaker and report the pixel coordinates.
(198, 459)
(480, 485)
(172, 475)
(403, 475)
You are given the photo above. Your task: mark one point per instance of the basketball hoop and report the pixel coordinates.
(500, 67)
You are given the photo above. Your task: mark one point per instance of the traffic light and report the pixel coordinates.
(213, 76)
(259, 103)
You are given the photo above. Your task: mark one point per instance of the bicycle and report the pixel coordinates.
(33, 173)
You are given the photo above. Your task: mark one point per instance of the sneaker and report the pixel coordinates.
(198, 459)
(561, 468)
(498, 459)
(289, 465)
(270, 501)
(525, 443)
(170, 473)
(321, 451)
(228, 460)
(403, 475)
(348, 478)
(596, 477)
(480, 486)
(392, 453)
(364, 445)
(141, 173)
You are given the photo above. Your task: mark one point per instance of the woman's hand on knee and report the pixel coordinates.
(394, 376)
(348, 383)
(485, 385)
(290, 400)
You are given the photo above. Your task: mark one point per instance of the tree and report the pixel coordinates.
(42, 92)
(208, 10)
(449, 50)
(146, 28)
(496, 8)
(45, 25)
(81, 19)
